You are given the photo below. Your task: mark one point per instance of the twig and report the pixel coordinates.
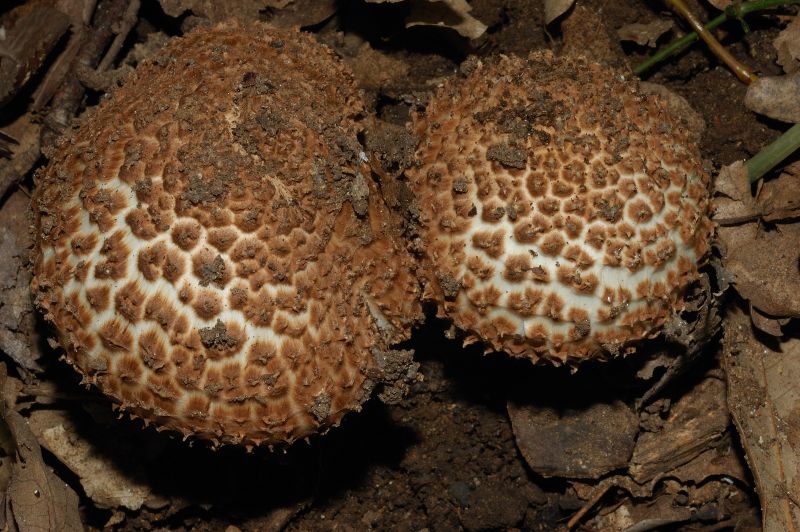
(129, 20)
(743, 72)
(588, 506)
(734, 11)
(5, 144)
(773, 153)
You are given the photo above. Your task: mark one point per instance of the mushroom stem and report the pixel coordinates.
(773, 153)
(737, 11)
(743, 72)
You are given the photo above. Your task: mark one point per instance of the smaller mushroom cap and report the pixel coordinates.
(563, 211)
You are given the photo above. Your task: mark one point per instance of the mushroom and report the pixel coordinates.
(563, 212)
(211, 249)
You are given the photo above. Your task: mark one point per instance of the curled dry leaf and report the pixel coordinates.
(555, 8)
(104, 482)
(36, 499)
(775, 97)
(787, 44)
(645, 34)
(763, 396)
(767, 324)
(453, 14)
(776, 204)
(764, 261)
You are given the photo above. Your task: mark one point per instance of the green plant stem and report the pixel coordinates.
(735, 11)
(742, 71)
(773, 153)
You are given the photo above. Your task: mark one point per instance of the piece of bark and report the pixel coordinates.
(37, 29)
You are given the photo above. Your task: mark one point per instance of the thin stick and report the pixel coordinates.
(773, 153)
(588, 506)
(737, 11)
(743, 72)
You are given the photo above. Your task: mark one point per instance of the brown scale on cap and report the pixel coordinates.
(211, 249)
(563, 211)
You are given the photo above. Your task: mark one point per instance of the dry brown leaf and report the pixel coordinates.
(765, 265)
(102, 479)
(763, 396)
(575, 443)
(555, 8)
(36, 499)
(645, 34)
(776, 198)
(775, 97)
(720, 4)
(733, 200)
(767, 324)
(764, 261)
(787, 44)
(453, 14)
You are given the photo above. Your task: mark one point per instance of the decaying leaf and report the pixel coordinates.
(776, 203)
(767, 324)
(765, 265)
(102, 479)
(764, 261)
(776, 97)
(763, 396)
(36, 499)
(555, 8)
(787, 44)
(453, 14)
(576, 443)
(645, 34)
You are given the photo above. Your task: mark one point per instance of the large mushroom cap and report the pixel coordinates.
(211, 249)
(563, 211)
